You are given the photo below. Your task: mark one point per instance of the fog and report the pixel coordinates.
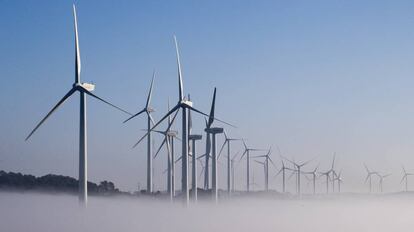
(44, 212)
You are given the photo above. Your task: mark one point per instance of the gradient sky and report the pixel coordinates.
(312, 77)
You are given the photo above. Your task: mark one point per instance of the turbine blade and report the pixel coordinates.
(150, 90)
(241, 157)
(77, 53)
(211, 116)
(259, 162)
(280, 171)
(159, 148)
(51, 111)
(333, 161)
(194, 109)
(180, 80)
(102, 100)
(133, 116)
(176, 161)
(366, 168)
(221, 149)
(366, 179)
(271, 161)
(152, 120)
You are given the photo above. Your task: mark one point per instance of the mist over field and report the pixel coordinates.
(44, 212)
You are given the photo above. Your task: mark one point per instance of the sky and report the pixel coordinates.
(310, 77)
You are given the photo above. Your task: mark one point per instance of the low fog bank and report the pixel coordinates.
(47, 212)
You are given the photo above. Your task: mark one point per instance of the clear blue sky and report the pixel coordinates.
(312, 77)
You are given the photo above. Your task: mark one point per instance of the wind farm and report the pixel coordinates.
(292, 124)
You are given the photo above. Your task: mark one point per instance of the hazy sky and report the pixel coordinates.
(312, 77)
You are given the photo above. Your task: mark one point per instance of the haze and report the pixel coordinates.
(61, 212)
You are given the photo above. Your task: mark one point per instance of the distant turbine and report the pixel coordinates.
(283, 171)
(382, 177)
(246, 152)
(314, 176)
(298, 166)
(339, 179)
(227, 141)
(369, 177)
(148, 109)
(266, 167)
(169, 136)
(405, 177)
(83, 89)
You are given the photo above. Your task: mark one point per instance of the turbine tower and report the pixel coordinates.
(246, 152)
(148, 109)
(232, 165)
(193, 138)
(185, 105)
(83, 89)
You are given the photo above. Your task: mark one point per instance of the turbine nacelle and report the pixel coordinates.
(195, 137)
(214, 130)
(186, 102)
(88, 86)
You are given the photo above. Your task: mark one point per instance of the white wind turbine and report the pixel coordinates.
(83, 89)
(148, 109)
(298, 166)
(381, 180)
(369, 177)
(405, 177)
(246, 152)
(266, 167)
(314, 176)
(227, 141)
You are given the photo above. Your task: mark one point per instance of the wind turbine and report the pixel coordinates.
(405, 177)
(313, 174)
(83, 89)
(213, 131)
(283, 171)
(169, 136)
(266, 167)
(339, 179)
(369, 177)
(227, 141)
(148, 109)
(382, 177)
(298, 166)
(208, 143)
(328, 173)
(246, 152)
(185, 105)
